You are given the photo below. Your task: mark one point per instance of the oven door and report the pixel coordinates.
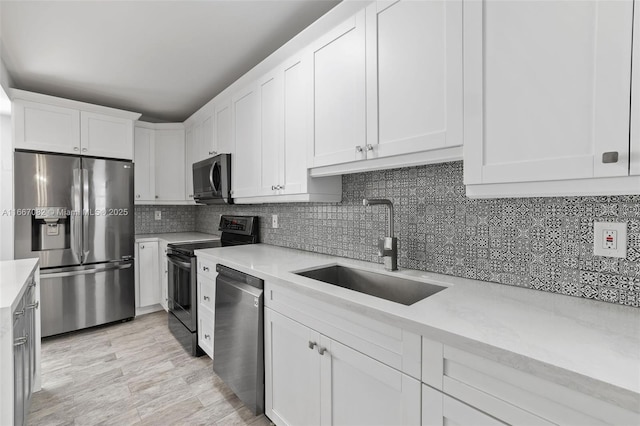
(182, 290)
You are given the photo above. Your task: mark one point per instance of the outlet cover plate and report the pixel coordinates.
(602, 230)
(158, 215)
(274, 221)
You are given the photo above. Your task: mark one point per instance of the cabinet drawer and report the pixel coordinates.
(388, 344)
(206, 292)
(512, 395)
(205, 331)
(207, 268)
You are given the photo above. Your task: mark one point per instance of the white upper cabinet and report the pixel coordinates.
(46, 123)
(45, 127)
(189, 153)
(414, 76)
(634, 165)
(547, 87)
(247, 161)
(106, 136)
(223, 139)
(272, 120)
(170, 165)
(339, 88)
(207, 146)
(144, 169)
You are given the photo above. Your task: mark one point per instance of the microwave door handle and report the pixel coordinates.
(85, 215)
(213, 187)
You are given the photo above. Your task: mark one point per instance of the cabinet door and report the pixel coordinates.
(358, 390)
(247, 161)
(292, 371)
(339, 93)
(223, 133)
(144, 167)
(414, 76)
(439, 410)
(207, 146)
(634, 166)
(105, 136)
(46, 128)
(149, 286)
(271, 132)
(170, 165)
(190, 156)
(297, 113)
(164, 270)
(542, 102)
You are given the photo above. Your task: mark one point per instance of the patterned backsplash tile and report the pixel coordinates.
(539, 243)
(174, 219)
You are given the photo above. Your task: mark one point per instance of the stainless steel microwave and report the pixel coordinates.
(212, 180)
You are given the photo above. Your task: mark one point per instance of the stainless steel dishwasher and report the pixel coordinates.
(238, 347)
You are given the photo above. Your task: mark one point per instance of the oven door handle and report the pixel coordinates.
(180, 263)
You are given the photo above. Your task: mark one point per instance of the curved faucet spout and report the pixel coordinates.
(382, 201)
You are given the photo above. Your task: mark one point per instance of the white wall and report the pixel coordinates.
(6, 178)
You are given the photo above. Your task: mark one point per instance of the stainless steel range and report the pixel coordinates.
(183, 297)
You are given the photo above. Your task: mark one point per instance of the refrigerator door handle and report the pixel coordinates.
(85, 213)
(93, 270)
(76, 216)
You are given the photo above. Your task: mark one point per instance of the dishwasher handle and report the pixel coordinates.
(233, 275)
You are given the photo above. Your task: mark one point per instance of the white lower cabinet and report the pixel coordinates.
(439, 409)
(312, 379)
(206, 305)
(148, 285)
(164, 272)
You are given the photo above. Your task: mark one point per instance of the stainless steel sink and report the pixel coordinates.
(395, 289)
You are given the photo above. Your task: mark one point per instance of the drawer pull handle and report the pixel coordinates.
(19, 313)
(610, 157)
(207, 298)
(20, 341)
(33, 305)
(321, 350)
(205, 268)
(312, 344)
(206, 336)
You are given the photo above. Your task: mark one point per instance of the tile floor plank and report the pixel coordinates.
(131, 373)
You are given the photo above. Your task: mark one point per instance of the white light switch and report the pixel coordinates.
(158, 215)
(610, 239)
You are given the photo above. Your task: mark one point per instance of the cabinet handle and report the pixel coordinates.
(206, 298)
(156, 197)
(312, 344)
(19, 313)
(206, 336)
(84, 149)
(75, 148)
(205, 268)
(273, 187)
(213, 152)
(33, 305)
(20, 341)
(321, 350)
(32, 284)
(358, 148)
(610, 157)
(141, 246)
(369, 147)
(138, 196)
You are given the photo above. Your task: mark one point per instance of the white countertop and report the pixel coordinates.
(591, 346)
(13, 277)
(176, 237)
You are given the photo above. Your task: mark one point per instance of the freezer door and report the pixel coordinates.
(83, 296)
(47, 208)
(108, 222)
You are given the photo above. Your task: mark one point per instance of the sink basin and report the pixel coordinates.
(394, 289)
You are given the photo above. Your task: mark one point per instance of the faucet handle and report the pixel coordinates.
(388, 249)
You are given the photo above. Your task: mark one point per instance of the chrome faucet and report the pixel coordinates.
(387, 246)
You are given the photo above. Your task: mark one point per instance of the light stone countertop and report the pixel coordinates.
(590, 346)
(13, 277)
(176, 237)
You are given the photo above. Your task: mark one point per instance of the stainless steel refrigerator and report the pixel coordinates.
(76, 215)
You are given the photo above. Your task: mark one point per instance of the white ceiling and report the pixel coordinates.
(164, 59)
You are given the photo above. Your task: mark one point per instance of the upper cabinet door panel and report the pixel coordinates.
(223, 135)
(170, 165)
(416, 71)
(634, 164)
(297, 107)
(207, 147)
(247, 161)
(44, 127)
(144, 169)
(106, 136)
(271, 129)
(547, 88)
(339, 93)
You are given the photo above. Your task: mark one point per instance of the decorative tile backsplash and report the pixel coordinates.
(540, 243)
(174, 219)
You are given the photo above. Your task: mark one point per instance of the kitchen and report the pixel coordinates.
(512, 169)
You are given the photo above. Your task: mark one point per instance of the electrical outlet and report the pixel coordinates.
(610, 239)
(274, 221)
(158, 215)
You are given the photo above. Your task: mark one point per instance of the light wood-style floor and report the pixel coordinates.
(131, 373)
